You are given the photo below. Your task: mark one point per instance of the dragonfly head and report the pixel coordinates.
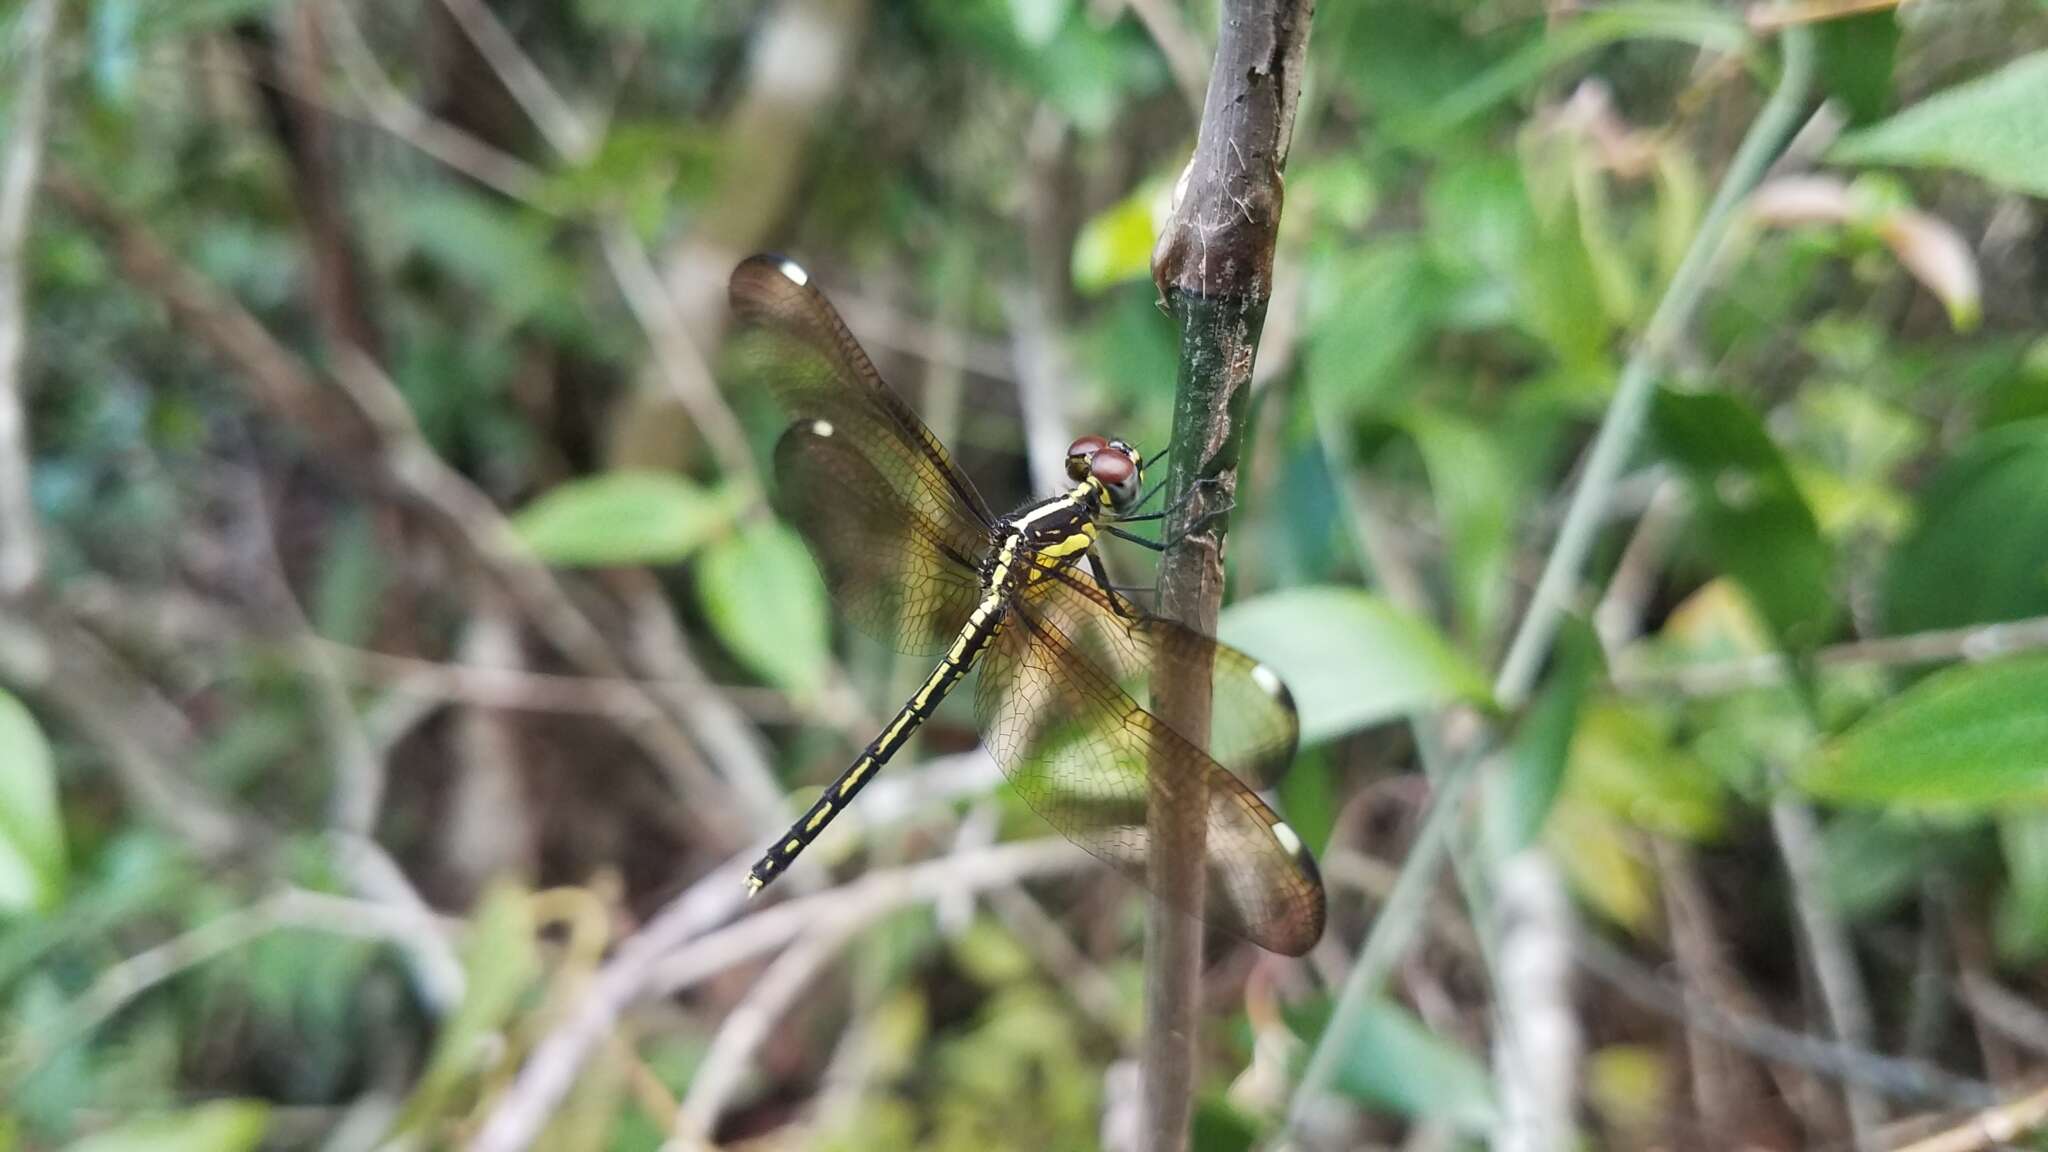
(1114, 464)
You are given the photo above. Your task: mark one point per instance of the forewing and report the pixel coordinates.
(1080, 751)
(898, 576)
(1253, 728)
(788, 339)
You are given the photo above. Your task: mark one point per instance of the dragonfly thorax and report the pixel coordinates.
(1052, 533)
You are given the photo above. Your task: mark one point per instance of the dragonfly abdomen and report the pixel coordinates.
(966, 648)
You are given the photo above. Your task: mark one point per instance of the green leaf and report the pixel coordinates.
(762, 595)
(1352, 659)
(1559, 297)
(1991, 127)
(1309, 799)
(1871, 862)
(1220, 1127)
(222, 1126)
(1606, 256)
(1089, 72)
(1855, 62)
(1372, 316)
(1680, 204)
(1964, 562)
(1970, 738)
(1753, 522)
(505, 256)
(500, 961)
(2020, 922)
(1337, 188)
(1400, 58)
(1038, 21)
(1116, 246)
(644, 17)
(1479, 228)
(32, 857)
(1706, 26)
(621, 519)
(1541, 746)
(1392, 1061)
(1473, 479)
(639, 170)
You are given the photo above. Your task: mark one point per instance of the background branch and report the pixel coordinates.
(364, 429)
(667, 956)
(20, 550)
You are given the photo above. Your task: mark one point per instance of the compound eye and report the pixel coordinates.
(1080, 452)
(1118, 474)
(1112, 468)
(1086, 446)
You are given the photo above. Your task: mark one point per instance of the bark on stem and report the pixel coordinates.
(1214, 268)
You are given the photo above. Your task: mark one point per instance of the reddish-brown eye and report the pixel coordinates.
(1113, 468)
(1087, 446)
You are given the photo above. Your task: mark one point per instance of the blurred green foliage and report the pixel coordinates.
(1485, 202)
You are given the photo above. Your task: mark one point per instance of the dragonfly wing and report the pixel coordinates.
(1087, 758)
(900, 577)
(788, 339)
(1253, 728)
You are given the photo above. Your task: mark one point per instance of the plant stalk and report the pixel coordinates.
(1214, 268)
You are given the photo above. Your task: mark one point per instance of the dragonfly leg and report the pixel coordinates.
(1118, 603)
(1206, 519)
(1165, 454)
(1150, 492)
(1133, 537)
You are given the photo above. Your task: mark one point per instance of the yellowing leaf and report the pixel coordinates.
(222, 1126)
(1627, 1085)
(1624, 761)
(1937, 256)
(1602, 864)
(1116, 246)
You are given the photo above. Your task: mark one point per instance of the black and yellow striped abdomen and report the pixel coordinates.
(966, 648)
(1055, 532)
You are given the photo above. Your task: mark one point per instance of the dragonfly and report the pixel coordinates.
(913, 555)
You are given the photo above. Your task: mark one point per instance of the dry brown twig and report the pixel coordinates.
(1992, 1128)
(1972, 644)
(1186, 57)
(292, 908)
(1829, 950)
(364, 429)
(677, 949)
(390, 110)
